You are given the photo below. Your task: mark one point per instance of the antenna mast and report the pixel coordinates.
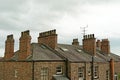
(84, 30)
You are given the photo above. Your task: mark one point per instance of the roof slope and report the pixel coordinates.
(41, 52)
(76, 54)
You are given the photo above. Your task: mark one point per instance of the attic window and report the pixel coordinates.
(64, 49)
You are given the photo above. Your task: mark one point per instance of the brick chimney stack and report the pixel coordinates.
(89, 44)
(25, 45)
(112, 72)
(98, 44)
(105, 46)
(48, 38)
(9, 47)
(75, 42)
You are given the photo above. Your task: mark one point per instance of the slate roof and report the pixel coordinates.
(41, 52)
(77, 54)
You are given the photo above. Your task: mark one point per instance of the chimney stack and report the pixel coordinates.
(105, 46)
(98, 44)
(9, 47)
(48, 38)
(25, 45)
(89, 44)
(75, 42)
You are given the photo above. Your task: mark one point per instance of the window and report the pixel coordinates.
(81, 72)
(96, 72)
(115, 76)
(44, 73)
(15, 73)
(107, 75)
(89, 71)
(59, 69)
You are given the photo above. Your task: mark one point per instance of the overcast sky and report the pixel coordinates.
(66, 16)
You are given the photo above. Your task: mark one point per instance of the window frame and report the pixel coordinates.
(107, 75)
(96, 71)
(59, 70)
(44, 73)
(15, 73)
(81, 72)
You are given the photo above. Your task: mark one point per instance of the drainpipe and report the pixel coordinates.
(32, 70)
(67, 68)
(112, 72)
(92, 68)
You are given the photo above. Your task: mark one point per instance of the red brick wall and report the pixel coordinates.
(117, 69)
(74, 70)
(24, 70)
(98, 44)
(89, 44)
(49, 38)
(105, 46)
(9, 47)
(102, 70)
(1, 71)
(50, 65)
(25, 43)
(102, 67)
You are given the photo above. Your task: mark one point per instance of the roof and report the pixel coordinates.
(72, 53)
(42, 52)
(77, 54)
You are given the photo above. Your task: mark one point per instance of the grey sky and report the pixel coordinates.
(66, 16)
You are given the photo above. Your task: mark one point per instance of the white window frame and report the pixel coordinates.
(96, 71)
(81, 72)
(44, 73)
(15, 73)
(107, 75)
(59, 69)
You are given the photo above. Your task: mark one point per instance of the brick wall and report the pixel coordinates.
(48, 38)
(16, 71)
(105, 46)
(25, 45)
(102, 67)
(73, 72)
(102, 70)
(51, 67)
(9, 47)
(1, 70)
(89, 44)
(117, 69)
